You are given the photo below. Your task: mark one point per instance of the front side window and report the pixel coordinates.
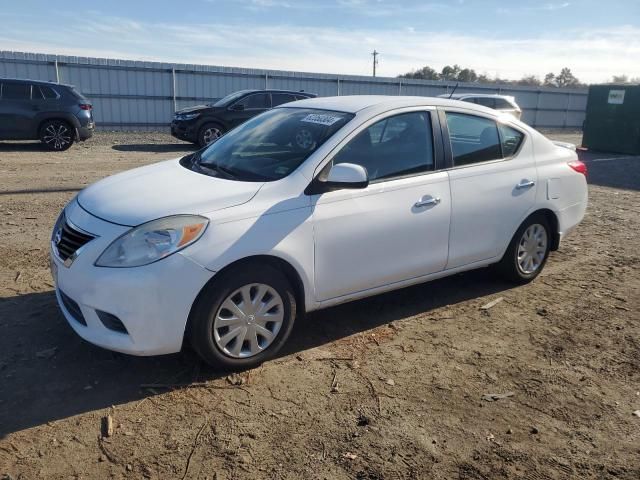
(394, 147)
(16, 91)
(269, 146)
(473, 139)
(226, 100)
(255, 101)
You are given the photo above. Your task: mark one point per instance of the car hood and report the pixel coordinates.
(194, 109)
(166, 188)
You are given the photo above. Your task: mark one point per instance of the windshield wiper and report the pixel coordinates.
(227, 171)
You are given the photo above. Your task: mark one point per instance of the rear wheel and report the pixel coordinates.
(243, 318)
(57, 135)
(209, 133)
(528, 251)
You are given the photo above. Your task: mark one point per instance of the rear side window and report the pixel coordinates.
(45, 92)
(473, 139)
(16, 91)
(502, 104)
(280, 98)
(394, 147)
(511, 140)
(486, 102)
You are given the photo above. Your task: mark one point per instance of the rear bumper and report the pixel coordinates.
(84, 133)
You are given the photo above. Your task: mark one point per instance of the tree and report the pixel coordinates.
(550, 80)
(620, 79)
(424, 73)
(450, 73)
(467, 75)
(566, 79)
(529, 80)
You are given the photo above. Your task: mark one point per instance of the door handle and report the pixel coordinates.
(525, 184)
(426, 201)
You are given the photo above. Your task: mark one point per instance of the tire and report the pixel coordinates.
(528, 251)
(57, 135)
(208, 133)
(212, 324)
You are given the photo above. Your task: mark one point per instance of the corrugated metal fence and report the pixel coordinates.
(131, 95)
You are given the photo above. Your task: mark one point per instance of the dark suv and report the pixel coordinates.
(203, 124)
(55, 114)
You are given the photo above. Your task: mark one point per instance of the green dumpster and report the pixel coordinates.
(612, 121)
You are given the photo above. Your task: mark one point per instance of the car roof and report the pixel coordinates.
(35, 82)
(476, 95)
(275, 90)
(357, 103)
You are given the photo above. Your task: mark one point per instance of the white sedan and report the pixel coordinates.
(309, 205)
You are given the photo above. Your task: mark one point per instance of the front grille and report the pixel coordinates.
(70, 240)
(73, 308)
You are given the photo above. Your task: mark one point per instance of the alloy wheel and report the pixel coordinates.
(211, 134)
(57, 136)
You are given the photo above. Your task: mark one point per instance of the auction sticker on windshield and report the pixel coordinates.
(321, 119)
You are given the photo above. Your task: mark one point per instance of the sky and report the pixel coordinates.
(509, 39)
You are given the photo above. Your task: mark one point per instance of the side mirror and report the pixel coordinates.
(237, 107)
(340, 176)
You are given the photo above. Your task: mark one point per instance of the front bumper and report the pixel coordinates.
(184, 130)
(152, 302)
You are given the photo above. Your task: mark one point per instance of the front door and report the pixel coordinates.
(395, 229)
(252, 105)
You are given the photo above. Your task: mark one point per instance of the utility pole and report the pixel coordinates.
(375, 61)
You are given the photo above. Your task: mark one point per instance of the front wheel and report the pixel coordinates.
(243, 318)
(528, 251)
(209, 133)
(56, 135)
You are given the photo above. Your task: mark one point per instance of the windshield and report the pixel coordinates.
(269, 146)
(230, 98)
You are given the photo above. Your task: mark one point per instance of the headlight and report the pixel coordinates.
(187, 116)
(153, 241)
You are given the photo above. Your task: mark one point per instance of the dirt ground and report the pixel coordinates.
(386, 388)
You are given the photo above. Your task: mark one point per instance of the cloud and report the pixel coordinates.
(593, 55)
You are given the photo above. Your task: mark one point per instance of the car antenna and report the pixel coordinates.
(454, 89)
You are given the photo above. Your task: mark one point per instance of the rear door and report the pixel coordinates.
(16, 111)
(493, 184)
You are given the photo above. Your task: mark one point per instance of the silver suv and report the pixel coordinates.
(55, 114)
(502, 103)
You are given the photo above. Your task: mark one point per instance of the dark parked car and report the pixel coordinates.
(203, 124)
(55, 114)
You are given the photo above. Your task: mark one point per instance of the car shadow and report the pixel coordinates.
(49, 373)
(23, 147)
(613, 170)
(155, 147)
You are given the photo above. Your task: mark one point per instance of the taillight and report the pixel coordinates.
(578, 166)
(86, 106)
